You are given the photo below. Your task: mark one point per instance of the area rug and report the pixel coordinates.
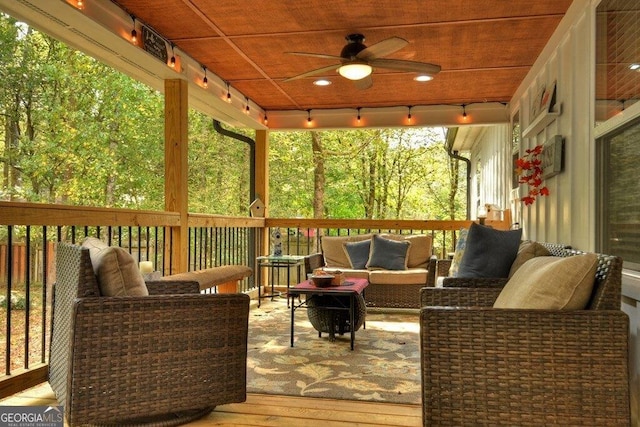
(384, 366)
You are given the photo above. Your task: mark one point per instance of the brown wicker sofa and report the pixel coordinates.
(487, 366)
(162, 359)
(387, 288)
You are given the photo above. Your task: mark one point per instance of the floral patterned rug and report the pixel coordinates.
(384, 366)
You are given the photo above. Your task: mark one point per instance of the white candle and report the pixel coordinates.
(146, 267)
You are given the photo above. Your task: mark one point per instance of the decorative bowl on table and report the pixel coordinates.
(322, 281)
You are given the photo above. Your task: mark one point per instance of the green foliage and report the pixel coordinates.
(18, 301)
(218, 170)
(374, 174)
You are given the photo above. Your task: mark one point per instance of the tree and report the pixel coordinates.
(318, 175)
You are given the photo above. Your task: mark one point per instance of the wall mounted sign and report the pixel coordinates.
(552, 157)
(154, 44)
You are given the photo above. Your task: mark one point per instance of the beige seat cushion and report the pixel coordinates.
(411, 276)
(115, 269)
(420, 251)
(526, 251)
(333, 250)
(551, 283)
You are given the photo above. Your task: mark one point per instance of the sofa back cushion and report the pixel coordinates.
(527, 251)
(388, 254)
(116, 270)
(358, 253)
(420, 252)
(333, 250)
(461, 245)
(551, 283)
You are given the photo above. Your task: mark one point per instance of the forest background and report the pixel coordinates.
(77, 132)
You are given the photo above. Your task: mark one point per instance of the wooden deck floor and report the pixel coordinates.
(272, 410)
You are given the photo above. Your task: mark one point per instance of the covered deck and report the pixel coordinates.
(241, 51)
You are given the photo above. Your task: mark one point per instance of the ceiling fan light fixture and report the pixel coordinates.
(423, 78)
(322, 82)
(355, 71)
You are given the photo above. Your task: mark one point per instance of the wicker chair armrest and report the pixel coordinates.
(431, 271)
(458, 297)
(474, 282)
(186, 351)
(169, 287)
(443, 266)
(313, 261)
(518, 367)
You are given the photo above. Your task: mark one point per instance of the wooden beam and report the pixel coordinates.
(176, 167)
(10, 385)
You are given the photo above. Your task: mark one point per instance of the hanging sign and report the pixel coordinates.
(154, 44)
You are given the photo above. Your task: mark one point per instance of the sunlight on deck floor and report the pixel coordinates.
(270, 410)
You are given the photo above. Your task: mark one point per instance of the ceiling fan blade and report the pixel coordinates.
(363, 84)
(383, 48)
(402, 65)
(313, 72)
(317, 55)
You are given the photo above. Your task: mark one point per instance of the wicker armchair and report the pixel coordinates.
(485, 366)
(162, 359)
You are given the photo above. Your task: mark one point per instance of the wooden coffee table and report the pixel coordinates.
(351, 288)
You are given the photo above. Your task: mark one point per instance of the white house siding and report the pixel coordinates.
(568, 215)
(492, 149)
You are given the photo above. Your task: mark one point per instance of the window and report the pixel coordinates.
(619, 198)
(618, 88)
(617, 57)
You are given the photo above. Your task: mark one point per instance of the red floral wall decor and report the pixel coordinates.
(529, 170)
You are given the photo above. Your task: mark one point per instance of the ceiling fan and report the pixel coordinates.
(357, 61)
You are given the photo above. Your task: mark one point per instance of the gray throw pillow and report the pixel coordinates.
(388, 254)
(358, 253)
(489, 252)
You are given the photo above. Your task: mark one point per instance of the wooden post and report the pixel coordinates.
(262, 186)
(175, 166)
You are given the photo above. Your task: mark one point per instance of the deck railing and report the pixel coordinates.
(28, 233)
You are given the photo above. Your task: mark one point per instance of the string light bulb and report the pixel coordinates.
(228, 93)
(358, 117)
(80, 4)
(246, 109)
(464, 112)
(409, 115)
(134, 33)
(266, 119)
(172, 61)
(205, 80)
(309, 117)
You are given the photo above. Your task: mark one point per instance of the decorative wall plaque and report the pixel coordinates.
(154, 44)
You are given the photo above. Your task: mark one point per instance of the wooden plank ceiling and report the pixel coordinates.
(485, 47)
